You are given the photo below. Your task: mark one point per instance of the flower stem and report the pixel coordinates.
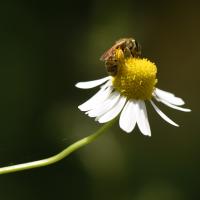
(59, 156)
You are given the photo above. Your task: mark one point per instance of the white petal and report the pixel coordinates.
(164, 92)
(104, 106)
(112, 113)
(169, 97)
(142, 118)
(99, 97)
(127, 119)
(167, 119)
(175, 107)
(92, 84)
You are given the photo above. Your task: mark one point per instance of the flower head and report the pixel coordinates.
(136, 77)
(126, 93)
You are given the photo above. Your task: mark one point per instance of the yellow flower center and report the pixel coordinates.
(136, 77)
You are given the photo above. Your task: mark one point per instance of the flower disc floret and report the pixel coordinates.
(136, 78)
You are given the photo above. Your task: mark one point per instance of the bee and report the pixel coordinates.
(130, 48)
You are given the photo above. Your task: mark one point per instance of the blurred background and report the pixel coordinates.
(48, 46)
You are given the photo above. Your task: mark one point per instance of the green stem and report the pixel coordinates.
(59, 156)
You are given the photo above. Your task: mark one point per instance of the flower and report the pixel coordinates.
(125, 95)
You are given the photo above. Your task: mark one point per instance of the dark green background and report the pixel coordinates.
(48, 46)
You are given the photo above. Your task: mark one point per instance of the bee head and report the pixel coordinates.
(134, 47)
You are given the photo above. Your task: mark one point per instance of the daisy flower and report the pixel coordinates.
(125, 94)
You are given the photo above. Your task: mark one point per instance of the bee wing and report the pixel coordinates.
(106, 55)
(110, 52)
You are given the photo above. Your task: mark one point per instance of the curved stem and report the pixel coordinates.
(59, 156)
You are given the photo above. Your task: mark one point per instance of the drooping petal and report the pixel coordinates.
(92, 84)
(167, 119)
(99, 97)
(169, 97)
(142, 118)
(173, 106)
(103, 107)
(113, 112)
(127, 119)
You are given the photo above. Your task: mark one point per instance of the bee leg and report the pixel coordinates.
(111, 67)
(112, 70)
(127, 52)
